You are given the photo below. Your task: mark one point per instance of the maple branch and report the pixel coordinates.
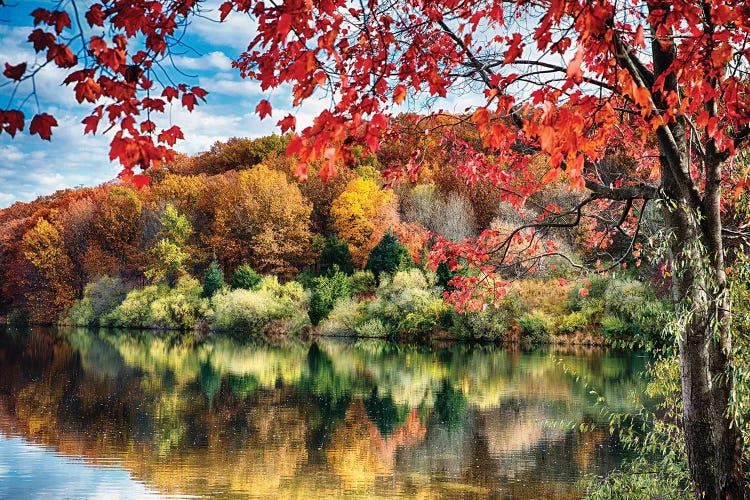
(639, 191)
(475, 63)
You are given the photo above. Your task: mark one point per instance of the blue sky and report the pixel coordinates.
(30, 167)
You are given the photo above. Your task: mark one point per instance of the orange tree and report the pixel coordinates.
(563, 77)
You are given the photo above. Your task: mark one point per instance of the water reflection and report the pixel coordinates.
(331, 418)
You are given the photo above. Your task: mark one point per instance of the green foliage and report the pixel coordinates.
(169, 253)
(494, 321)
(326, 290)
(213, 280)
(573, 323)
(135, 311)
(407, 303)
(251, 311)
(536, 326)
(372, 328)
(389, 256)
(100, 298)
(244, 277)
(335, 255)
(614, 327)
(181, 306)
(162, 307)
(306, 277)
(637, 305)
(362, 283)
(596, 291)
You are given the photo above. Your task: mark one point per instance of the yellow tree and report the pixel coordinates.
(52, 286)
(361, 211)
(263, 220)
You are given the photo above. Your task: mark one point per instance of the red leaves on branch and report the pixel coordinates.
(42, 125)
(15, 72)
(11, 121)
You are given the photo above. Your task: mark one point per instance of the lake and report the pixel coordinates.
(101, 414)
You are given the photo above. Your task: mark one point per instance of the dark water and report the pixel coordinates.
(86, 414)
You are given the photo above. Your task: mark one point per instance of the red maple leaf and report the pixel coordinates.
(42, 124)
(15, 72)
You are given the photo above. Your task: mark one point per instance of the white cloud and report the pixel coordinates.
(236, 31)
(212, 60)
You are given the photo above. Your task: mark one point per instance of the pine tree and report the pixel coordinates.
(214, 279)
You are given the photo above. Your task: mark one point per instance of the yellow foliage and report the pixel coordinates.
(362, 210)
(263, 220)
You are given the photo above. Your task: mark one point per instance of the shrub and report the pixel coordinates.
(245, 278)
(347, 315)
(306, 277)
(408, 292)
(253, 310)
(214, 279)
(573, 322)
(135, 310)
(372, 328)
(388, 256)
(613, 326)
(335, 253)
(362, 282)
(536, 326)
(162, 307)
(596, 290)
(82, 312)
(637, 305)
(325, 292)
(100, 298)
(495, 320)
(180, 307)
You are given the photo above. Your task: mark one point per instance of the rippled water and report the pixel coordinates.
(95, 414)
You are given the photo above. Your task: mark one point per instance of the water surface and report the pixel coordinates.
(97, 414)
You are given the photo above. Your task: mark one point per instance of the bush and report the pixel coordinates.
(245, 278)
(388, 256)
(536, 326)
(372, 328)
(494, 321)
(214, 279)
(615, 327)
(135, 309)
(362, 282)
(253, 310)
(596, 290)
(100, 298)
(335, 254)
(180, 307)
(408, 292)
(162, 307)
(347, 315)
(325, 292)
(306, 277)
(573, 323)
(637, 305)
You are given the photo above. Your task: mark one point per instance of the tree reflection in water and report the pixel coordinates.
(321, 419)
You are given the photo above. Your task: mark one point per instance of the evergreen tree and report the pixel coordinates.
(214, 279)
(389, 256)
(336, 253)
(245, 277)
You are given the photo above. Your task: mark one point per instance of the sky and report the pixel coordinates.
(30, 167)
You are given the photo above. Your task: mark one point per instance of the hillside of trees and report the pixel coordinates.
(235, 217)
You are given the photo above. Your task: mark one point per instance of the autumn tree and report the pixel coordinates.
(561, 77)
(170, 253)
(262, 219)
(358, 212)
(52, 292)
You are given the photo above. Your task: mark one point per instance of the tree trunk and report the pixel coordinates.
(712, 438)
